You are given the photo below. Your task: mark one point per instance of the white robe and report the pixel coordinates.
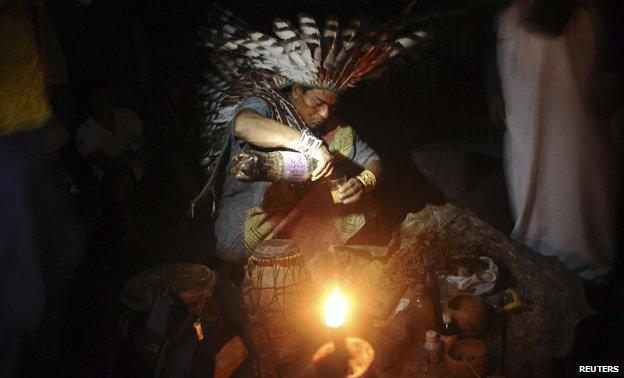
(558, 161)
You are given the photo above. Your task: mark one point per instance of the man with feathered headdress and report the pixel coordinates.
(276, 95)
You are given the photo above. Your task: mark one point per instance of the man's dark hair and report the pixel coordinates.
(304, 88)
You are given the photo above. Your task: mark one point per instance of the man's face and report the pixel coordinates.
(315, 105)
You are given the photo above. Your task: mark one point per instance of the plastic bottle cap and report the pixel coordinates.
(431, 335)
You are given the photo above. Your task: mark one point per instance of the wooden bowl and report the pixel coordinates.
(463, 354)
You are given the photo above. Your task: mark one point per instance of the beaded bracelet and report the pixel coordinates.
(367, 178)
(295, 166)
(308, 143)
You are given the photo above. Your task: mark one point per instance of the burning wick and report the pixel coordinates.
(343, 356)
(335, 309)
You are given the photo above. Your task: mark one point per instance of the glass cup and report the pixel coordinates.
(335, 182)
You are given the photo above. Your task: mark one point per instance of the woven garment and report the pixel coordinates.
(307, 213)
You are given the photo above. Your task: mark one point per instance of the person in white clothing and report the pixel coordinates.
(559, 162)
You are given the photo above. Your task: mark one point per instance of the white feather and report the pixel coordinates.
(285, 34)
(229, 46)
(229, 29)
(317, 56)
(309, 29)
(256, 36)
(296, 58)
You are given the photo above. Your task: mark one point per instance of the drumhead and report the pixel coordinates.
(276, 249)
(184, 279)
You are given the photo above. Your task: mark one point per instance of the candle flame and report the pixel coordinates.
(335, 309)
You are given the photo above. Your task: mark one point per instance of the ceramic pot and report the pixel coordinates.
(464, 358)
(469, 313)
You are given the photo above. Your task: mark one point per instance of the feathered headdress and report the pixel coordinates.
(333, 58)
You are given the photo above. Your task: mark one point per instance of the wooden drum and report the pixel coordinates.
(276, 292)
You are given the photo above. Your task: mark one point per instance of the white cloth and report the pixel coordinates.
(558, 161)
(91, 136)
(480, 284)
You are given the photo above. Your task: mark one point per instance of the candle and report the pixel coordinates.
(335, 314)
(342, 357)
(335, 309)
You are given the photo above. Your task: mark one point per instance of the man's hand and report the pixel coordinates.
(324, 163)
(351, 191)
(246, 165)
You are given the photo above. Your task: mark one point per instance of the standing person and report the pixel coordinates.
(559, 161)
(111, 139)
(41, 242)
(280, 97)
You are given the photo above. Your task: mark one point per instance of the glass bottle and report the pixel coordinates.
(432, 290)
(433, 348)
(423, 314)
(449, 332)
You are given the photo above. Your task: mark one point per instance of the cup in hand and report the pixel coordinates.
(335, 182)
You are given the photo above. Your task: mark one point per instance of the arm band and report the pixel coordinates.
(308, 143)
(367, 178)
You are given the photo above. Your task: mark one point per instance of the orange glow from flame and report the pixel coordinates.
(335, 309)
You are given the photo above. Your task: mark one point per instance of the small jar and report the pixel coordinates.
(433, 347)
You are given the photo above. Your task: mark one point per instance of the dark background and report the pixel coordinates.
(146, 52)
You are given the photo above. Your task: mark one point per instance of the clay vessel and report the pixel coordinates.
(464, 354)
(470, 314)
